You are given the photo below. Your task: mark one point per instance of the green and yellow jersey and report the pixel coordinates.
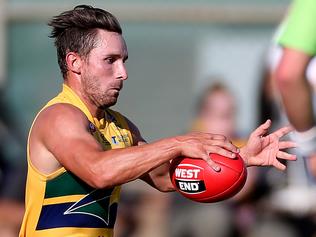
(60, 204)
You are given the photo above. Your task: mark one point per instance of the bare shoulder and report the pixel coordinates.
(52, 127)
(58, 118)
(58, 111)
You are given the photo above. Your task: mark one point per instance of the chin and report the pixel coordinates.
(108, 104)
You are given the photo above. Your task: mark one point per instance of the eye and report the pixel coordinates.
(110, 60)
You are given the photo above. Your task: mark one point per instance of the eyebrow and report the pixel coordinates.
(116, 55)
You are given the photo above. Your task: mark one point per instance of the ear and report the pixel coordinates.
(74, 62)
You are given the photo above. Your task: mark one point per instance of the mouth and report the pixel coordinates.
(116, 91)
(118, 88)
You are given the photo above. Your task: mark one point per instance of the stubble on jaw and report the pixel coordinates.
(97, 97)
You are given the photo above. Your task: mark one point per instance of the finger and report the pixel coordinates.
(279, 165)
(283, 131)
(217, 137)
(211, 163)
(221, 151)
(262, 129)
(210, 136)
(287, 144)
(286, 156)
(224, 144)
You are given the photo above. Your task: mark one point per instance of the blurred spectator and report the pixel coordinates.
(216, 113)
(12, 175)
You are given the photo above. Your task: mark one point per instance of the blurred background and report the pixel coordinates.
(176, 50)
(174, 46)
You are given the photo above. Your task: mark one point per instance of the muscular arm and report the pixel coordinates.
(295, 90)
(60, 137)
(159, 177)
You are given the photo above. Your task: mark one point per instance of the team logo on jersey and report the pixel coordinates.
(96, 209)
(120, 139)
(90, 205)
(189, 178)
(114, 140)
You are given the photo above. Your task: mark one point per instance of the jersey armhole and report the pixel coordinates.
(35, 171)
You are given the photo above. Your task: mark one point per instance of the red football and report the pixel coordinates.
(196, 180)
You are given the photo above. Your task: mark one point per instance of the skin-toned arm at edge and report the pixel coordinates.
(60, 134)
(295, 90)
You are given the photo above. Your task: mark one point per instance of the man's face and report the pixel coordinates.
(103, 70)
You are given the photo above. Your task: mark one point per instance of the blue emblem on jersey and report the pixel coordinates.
(92, 127)
(114, 140)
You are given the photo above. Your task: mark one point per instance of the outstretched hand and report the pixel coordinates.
(265, 150)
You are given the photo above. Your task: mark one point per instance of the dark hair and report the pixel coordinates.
(76, 31)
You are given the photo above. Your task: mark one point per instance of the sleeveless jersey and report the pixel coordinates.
(60, 204)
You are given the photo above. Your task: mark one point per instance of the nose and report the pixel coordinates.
(122, 71)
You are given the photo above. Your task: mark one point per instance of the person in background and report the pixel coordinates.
(284, 204)
(216, 112)
(12, 174)
(297, 36)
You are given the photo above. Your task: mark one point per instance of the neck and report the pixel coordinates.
(95, 111)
